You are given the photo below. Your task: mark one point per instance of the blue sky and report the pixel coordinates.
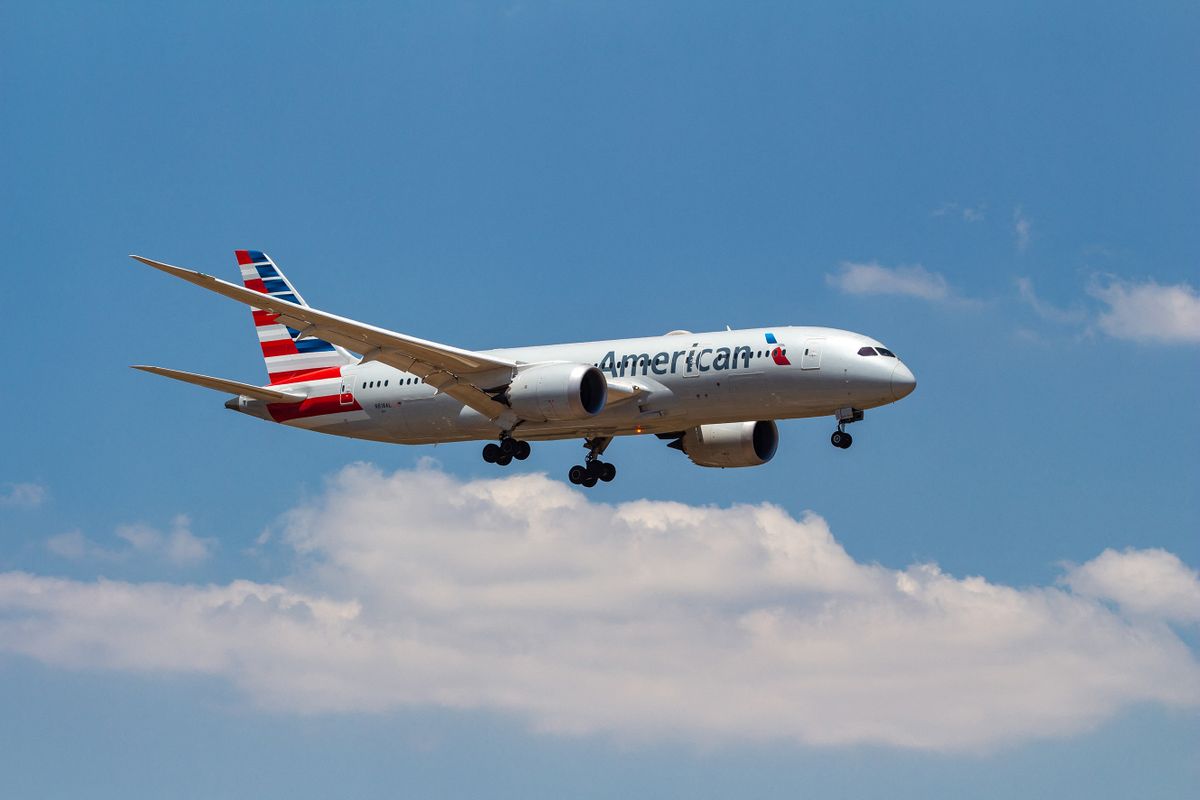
(1006, 196)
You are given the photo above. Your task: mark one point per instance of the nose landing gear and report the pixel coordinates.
(845, 416)
(593, 470)
(504, 452)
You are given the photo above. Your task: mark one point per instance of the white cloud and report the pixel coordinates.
(1045, 310)
(873, 278)
(643, 620)
(23, 495)
(73, 545)
(177, 546)
(1022, 229)
(1148, 312)
(1148, 582)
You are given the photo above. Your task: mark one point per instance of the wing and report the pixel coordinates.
(462, 374)
(223, 385)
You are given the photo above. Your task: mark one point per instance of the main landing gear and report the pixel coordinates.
(504, 452)
(844, 417)
(593, 470)
(588, 474)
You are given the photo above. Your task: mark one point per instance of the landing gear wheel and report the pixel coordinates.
(504, 460)
(593, 470)
(844, 417)
(522, 452)
(491, 452)
(508, 446)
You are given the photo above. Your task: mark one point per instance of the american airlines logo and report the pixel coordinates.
(694, 360)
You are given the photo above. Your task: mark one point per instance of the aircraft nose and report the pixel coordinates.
(903, 381)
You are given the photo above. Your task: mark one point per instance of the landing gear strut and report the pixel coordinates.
(593, 470)
(844, 417)
(504, 452)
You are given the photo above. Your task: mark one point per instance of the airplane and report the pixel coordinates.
(716, 396)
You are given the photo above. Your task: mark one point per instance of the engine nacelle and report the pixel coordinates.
(731, 444)
(558, 392)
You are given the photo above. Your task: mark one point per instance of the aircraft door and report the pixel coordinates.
(811, 357)
(346, 397)
(696, 355)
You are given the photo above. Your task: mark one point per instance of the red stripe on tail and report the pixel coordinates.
(279, 347)
(312, 407)
(300, 375)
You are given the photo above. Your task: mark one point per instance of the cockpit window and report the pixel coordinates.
(866, 351)
(883, 351)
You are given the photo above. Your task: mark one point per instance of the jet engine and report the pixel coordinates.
(730, 444)
(558, 392)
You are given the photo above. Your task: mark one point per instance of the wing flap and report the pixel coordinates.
(224, 385)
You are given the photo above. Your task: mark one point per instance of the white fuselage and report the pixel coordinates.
(672, 383)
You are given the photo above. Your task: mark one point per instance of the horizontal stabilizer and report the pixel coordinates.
(222, 385)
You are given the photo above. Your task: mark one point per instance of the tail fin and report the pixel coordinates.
(289, 357)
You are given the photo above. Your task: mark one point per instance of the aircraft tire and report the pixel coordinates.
(508, 446)
(491, 451)
(590, 481)
(504, 460)
(607, 472)
(847, 440)
(523, 450)
(576, 474)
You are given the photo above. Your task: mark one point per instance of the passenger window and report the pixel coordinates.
(866, 351)
(883, 351)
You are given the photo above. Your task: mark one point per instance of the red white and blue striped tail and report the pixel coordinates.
(289, 357)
